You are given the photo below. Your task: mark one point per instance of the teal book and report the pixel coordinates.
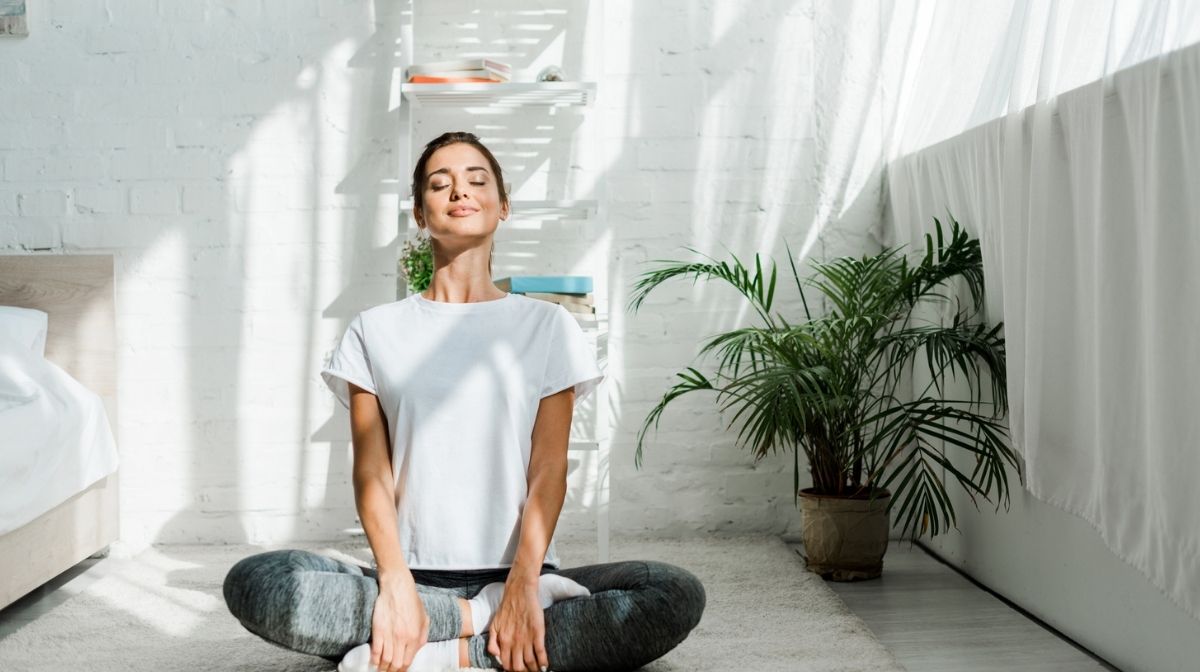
(558, 284)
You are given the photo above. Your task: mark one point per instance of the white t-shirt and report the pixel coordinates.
(460, 385)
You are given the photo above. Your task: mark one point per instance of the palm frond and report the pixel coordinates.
(958, 350)
(799, 282)
(757, 289)
(692, 381)
(958, 257)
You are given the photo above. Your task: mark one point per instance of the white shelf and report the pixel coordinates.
(596, 323)
(574, 444)
(542, 210)
(500, 94)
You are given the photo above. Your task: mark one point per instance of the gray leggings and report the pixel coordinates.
(310, 603)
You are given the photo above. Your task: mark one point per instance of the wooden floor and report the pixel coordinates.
(931, 617)
(935, 620)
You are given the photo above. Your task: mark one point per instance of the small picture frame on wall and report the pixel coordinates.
(12, 18)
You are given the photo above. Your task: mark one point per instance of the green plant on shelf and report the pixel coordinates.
(416, 262)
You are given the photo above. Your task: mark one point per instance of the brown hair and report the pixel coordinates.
(419, 178)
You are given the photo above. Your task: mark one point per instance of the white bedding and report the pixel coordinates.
(55, 439)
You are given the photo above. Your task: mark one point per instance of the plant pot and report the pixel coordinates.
(844, 538)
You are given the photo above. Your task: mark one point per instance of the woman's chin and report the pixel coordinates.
(462, 235)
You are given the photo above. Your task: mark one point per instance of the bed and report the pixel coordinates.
(77, 371)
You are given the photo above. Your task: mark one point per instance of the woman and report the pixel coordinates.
(460, 405)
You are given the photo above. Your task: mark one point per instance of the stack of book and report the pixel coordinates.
(573, 292)
(461, 70)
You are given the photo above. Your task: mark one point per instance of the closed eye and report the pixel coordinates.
(439, 187)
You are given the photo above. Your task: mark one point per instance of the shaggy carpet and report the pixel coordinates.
(162, 610)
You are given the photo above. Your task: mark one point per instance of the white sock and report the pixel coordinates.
(432, 656)
(551, 589)
(484, 605)
(436, 656)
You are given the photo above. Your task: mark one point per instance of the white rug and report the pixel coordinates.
(163, 611)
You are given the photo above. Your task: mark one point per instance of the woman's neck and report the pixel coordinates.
(463, 293)
(463, 277)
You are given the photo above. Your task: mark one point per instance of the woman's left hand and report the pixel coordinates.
(518, 632)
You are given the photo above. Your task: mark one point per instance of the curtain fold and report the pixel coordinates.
(1075, 156)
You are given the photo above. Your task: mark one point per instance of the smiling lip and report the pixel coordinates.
(462, 212)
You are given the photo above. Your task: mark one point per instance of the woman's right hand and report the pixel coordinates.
(399, 626)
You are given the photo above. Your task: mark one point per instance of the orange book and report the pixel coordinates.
(429, 79)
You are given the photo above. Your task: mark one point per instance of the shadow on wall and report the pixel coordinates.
(776, 139)
(303, 211)
(303, 230)
(772, 142)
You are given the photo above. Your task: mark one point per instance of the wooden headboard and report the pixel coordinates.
(76, 291)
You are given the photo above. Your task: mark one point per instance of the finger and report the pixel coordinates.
(519, 659)
(539, 649)
(493, 648)
(376, 650)
(409, 654)
(530, 658)
(398, 664)
(508, 657)
(385, 656)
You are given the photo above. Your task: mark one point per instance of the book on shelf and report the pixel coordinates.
(563, 298)
(458, 64)
(580, 304)
(430, 79)
(550, 284)
(463, 70)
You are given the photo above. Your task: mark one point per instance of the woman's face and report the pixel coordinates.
(462, 198)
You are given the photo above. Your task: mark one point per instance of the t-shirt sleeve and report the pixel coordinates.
(571, 360)
(350, 363)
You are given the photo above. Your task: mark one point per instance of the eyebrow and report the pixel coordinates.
(447, 171)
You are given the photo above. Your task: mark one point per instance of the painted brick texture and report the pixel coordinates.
(244, 161)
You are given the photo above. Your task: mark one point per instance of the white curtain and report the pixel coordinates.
(1066, 135)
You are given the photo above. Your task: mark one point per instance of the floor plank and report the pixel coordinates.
(933, 619)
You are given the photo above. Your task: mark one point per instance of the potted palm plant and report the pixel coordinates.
(838, 387)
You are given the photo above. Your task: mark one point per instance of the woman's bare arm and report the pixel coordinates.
(518, 635)
(374, 487)
(547, 483)
(399, 624)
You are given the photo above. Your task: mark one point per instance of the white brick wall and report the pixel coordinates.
(721, 129)
(241, 159)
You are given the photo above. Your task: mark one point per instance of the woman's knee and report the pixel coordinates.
(252, 577)
(683, 590)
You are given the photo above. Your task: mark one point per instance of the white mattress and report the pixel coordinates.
(55, 439)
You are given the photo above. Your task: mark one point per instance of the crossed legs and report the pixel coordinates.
(636, 612)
